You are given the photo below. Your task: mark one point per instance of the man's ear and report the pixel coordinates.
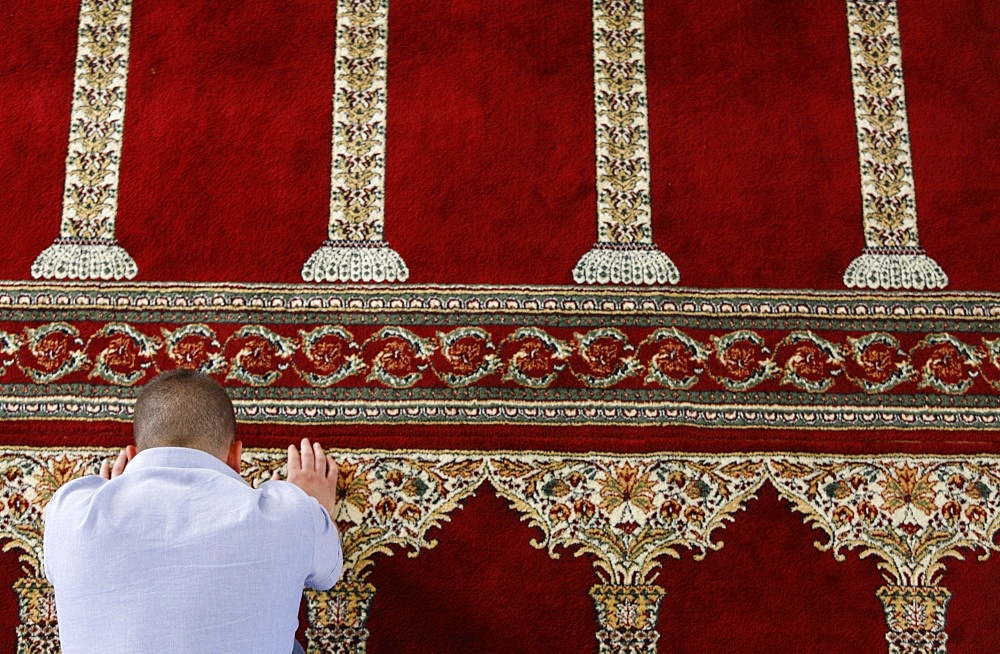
(234, 458)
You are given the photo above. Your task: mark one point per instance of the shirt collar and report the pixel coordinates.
(179, 457)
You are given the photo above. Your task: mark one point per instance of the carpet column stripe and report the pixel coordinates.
(86, 247)
(625, 252)
(355, 249)
(892, 257)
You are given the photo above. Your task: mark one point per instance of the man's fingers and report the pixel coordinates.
(320, 458)
(308, 457)
(315, 472)
(275, 476)
(294, 461)
(110, 471)
(120, 463)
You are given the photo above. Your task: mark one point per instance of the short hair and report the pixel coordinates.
(184, 408)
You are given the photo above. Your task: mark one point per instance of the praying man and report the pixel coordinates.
(170, 550)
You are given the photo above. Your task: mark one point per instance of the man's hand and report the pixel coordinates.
(111, 471)
(314, 472)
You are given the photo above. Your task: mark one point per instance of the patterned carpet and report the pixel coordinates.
(617, 316)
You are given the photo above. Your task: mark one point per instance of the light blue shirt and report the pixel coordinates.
(180, 554)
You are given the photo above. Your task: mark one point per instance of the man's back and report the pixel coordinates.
(180, 554)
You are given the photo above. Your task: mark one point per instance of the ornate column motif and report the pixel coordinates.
(911, 514)
(337, 618)
(86, 247)
(355, 249)
(30, 478)
(916, 616)
(627, 618)
(892, 257)
(624, 252)
(387, 500)
(628, 512)
(38, 632)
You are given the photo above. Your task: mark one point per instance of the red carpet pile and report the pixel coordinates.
(637, 327)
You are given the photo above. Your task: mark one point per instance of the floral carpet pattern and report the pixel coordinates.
(616, 313)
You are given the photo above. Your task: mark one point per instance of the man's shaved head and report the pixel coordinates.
(184, 408)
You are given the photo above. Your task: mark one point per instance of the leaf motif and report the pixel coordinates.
(464, 469)
(791, 469)
(742, 469)
(511, 468)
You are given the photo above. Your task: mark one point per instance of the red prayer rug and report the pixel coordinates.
(616, 314)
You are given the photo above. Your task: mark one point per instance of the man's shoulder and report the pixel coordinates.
(81, 487)
(70, 503)
(286, 495)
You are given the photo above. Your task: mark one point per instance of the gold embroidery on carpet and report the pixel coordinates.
(121, 354)
(86, 247)
(37, 632)
(330, 355)
(627, 511)
(337, 618)
(400, 357)
(194, 346)
(626, 616)
(625, 252)
(909, 512)
(892, 257)
(355, 249)
(916, 618)
(173, 298)
(388, 500)
(676, 361)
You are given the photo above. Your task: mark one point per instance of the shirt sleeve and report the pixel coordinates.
(328, 557)
(67, 504)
